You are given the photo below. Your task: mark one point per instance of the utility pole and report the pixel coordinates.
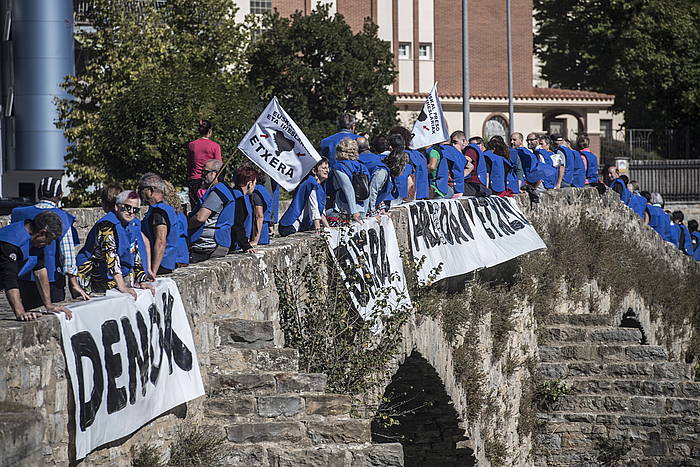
(465, 68)
(511, 127)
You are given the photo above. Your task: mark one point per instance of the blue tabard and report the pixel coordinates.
(374, 162)
(660, 221)
(550, 173)
(441, 178)
(638, 204)
(400, 188)
(592, 171)
(126, 259)
(301, 196)
(248, 226)
(224, 222)
(626, 194)
(500, 169)
(456, 162)
(329, 143)
(51, 251)
(170, 256)
(687, 246)
(183, 248)
(267, 214)
(696, 253)
(481, 169)
(512, 180)
(133, 230)
(16, 234)
(579, 170)
(569, 162)
(420, 168)
(349, 168)
(531, 165)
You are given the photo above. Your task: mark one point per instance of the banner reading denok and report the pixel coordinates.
(277, 145)
(370, 262)
(468, 234)
(129, 362)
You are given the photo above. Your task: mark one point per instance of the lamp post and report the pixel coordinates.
(511, 127)
(465, 68)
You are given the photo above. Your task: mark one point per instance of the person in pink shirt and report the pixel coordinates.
(199, 152)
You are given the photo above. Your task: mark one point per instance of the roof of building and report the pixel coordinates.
(534, 93)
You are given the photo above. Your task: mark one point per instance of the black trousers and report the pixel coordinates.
(30, 294)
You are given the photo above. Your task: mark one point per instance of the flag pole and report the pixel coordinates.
(511, 126)
(465, 68)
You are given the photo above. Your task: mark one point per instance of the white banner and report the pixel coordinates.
(431, 127)
(468, 234)
(277, 145)
(129, 362)
(369, 260)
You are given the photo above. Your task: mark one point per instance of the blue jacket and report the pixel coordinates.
(170, 257)
(298, 204)
(374, 162)
(126, 258)
(512, 178)
(329, 143)
(579, 170)
(687, 245)
(51, 251)
(224, 222)
(183, 247)
(696, 252)
(531, 165)
(16, 234)
(267, 213)
(400, 188)
(549, 172)
(420, 168)
(440, 179)
(480, 168)
(638, 204)
(626, 195)
(660, 221)
(592, 171)
(248, 226)
(456, 162)
(349, 168)
(569, 163)
(500, 171)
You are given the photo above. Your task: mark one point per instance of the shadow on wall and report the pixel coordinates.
(417, 412)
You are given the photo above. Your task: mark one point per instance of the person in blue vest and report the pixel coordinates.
(160, 225)
(532, 170)
(680, 235)
(402, 173)
(498, 163)
(209, 224)
(456, 162)
(110, 257)
(574, 169)
(59, 256)
(617, 183)
(347, 175)
(308, 204)
(419, 164)
(695, 238)
(539, 145)
(380, 185)
(655, 216)
(439, 172)
(476, 175)
(583, 142)
(556, 159)
(263, 205)
(172, 198)
(22, 247)
(242, 229)
(346, 129)
(637, 202)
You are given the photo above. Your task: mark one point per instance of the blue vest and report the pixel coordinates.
(183, 248)
(267, 214)
(224, 222)
(579, 170)
(420, 168)
(301, 196)
(329, 144)
(51, 251)
(592, 171)
(133, 230)
(374, 162)
(570, 163)
(400, 188)
(696, 253)
(660, 221)
(687, 245)
(626, 194)
(349, 168)
(500, 170)
(481, 169)
(170, 257)
(248, 225)
(16, 234)
(441, 178)
(512, 180)
(531, 165)
(123, 247)
(456, 162)
(638, 204)
(550, 173)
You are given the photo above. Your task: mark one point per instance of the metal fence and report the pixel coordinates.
(82, 8)
(645, 144)
(676, 180)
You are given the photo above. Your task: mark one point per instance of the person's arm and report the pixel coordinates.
(217, 152)
(161, 234)
(42, 285)
(66, 253)
(618, 188)
(10, 257)
(346, 187)
(258, 224)
(375, 185)
(198, 218)
(560, 175)
(314, 212)
(433, 160)
(238, 228)
(146, 259)
(107, 243)
(646, 217)
(519, 172)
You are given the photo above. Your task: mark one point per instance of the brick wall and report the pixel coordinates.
(287, 7)
(355, 12)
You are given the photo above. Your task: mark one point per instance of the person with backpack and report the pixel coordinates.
(350, 182)
(680, 235)
(380, 185)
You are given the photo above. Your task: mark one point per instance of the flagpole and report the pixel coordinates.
(511, 126)
(465, 68)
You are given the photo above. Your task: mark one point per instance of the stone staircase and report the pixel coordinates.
(273, 415)
(625, 403)
(21, 430)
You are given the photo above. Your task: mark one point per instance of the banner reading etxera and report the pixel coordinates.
(468, 234)
(129, 361)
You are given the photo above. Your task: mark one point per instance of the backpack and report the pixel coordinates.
(360, 183)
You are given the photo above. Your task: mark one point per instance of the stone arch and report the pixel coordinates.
(498, 119)
(551, 116)
(418, 413)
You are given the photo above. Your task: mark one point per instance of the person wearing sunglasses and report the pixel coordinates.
(22, 246)
(112, 256)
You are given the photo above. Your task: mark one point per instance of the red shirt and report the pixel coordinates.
(199, 152)
(471, 153)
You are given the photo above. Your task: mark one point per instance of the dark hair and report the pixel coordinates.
(693, 226)
(379, 144)
(49, 222)
(677, 216)
(245, 175)
(625, 179)
(261, 177)
(647, 195)
(397, 158)
(108, 195)
(346, 121)
(476, 140)
(203, 126)
(583, 141)
(405, 134)
(498, 146)
(457, 134)
(546, 139)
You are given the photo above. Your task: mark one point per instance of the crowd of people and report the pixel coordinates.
(357, 177)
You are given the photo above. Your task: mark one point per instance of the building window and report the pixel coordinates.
(404, 50)
(425, 51)
(606, 130)
(496, 126)
(259, 7)
(557, 126)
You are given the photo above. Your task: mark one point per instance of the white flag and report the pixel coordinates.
(430, 128)
(276, 145)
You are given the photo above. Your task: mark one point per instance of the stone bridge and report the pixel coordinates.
(472, 368)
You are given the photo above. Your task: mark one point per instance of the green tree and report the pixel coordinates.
(151, 74)
(645, 52)
(319, 69)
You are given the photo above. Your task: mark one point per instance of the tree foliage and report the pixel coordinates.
(151, 74)
(319, 69)
(645, 52)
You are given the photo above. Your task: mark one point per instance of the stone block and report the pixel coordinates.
(309, 457)
(280, 406)
(646, 353)
(587, 319)
(379, 455)
(339, 431)
(327, 404)
(549, 440)
(615, 335)
(21, 433)
(269, 360)
(647, 405)
(672, 370)
(248, 456)
(244, 383)
(246, 333)
(629, 370)
(264, 432)
(301, 382)
(230, 406)
(553, 370)
(685, 407)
